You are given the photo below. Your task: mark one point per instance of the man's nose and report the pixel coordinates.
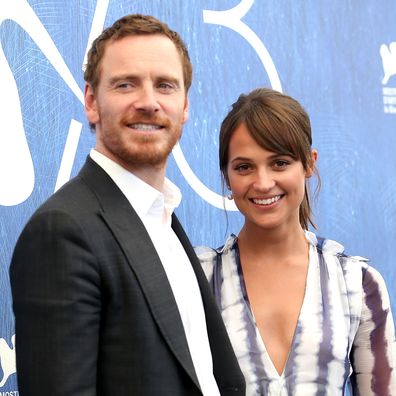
(146, 100)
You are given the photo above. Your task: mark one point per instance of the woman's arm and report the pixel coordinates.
(373, 355)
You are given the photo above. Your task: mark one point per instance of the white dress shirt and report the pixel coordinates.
(155, 209)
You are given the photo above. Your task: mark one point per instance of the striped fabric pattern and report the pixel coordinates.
(345, 334)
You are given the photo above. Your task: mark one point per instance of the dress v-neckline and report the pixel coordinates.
(269, 363)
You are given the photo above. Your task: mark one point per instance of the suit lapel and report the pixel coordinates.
(143, 259)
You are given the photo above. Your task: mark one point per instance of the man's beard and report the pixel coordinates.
(151, 153)
(144, 149)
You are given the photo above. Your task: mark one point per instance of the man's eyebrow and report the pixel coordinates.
(168, 78)
(133, 77)
(120, 77)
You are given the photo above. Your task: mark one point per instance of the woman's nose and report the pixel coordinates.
(264, 180)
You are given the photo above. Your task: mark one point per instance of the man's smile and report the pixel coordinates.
(145, 127)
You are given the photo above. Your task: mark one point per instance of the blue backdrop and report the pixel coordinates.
(338, 58)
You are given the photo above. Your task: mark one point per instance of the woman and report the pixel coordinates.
(303, 317)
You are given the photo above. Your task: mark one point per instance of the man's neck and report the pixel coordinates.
(153, 175)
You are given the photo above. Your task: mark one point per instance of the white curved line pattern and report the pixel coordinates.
(232, 19)
(66, 167)
(16, 166)
(17, 180)
(204, 192)
(97, 25)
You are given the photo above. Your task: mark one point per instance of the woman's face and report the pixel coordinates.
(268, 188)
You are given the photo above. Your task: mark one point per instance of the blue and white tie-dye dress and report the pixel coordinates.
(345, 332)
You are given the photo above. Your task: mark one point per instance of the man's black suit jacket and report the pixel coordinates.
(95, 314)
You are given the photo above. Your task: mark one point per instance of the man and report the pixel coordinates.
(108, 295)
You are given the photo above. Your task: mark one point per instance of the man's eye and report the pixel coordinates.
(166, 87)
(124, 85)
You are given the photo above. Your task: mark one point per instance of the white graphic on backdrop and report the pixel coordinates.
(97, 25)
(16, 165)
(7, 359)
(16, 171)
(231, 19)
(388, 55)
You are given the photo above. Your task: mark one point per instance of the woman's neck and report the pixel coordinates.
(273, 243)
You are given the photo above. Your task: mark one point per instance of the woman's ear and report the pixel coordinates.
(312, 163)
(226, 181)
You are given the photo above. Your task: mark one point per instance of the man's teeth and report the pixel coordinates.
(266, 201)
(144, 127)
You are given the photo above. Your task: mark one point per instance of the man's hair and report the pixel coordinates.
(134, 25)
(278, 123)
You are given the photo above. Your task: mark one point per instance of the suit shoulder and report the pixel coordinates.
(74, 196)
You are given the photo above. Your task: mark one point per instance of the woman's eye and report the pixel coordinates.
(280, 164)
(242, 168)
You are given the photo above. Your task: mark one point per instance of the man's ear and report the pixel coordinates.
(312, 163)
(185, 110)
(90, 105)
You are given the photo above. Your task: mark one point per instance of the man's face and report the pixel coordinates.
(140, 103)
